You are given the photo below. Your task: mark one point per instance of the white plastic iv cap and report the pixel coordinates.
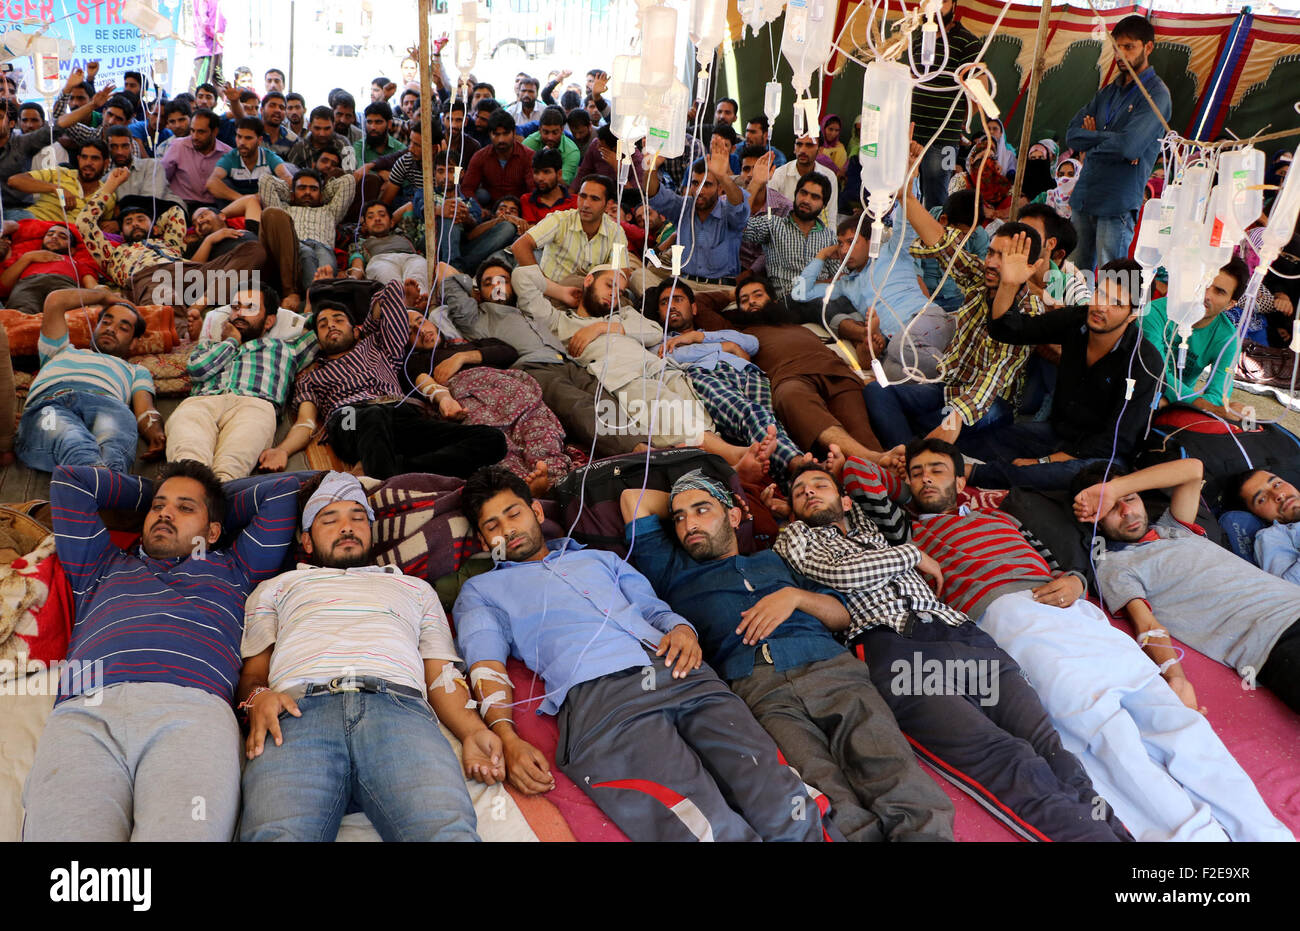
(455, 176)
(980, 93)
(678, 250)
(879, 371)
(877, 233)
(618, 255)
(624, 169)
(61, 194)
(929, 39)
(702, 85)
(1129, 385)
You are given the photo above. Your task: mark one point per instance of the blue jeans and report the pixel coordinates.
(900, 413)
(77, 428)
(466, 254)
(934, 176)
(1029, 440)
(17, 213)
(314, 255)
(382, 751)
(1101, 239)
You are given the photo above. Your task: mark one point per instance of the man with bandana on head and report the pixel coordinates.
(349, 667)
(770, 634)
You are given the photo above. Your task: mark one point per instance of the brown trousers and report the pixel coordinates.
(810, 404)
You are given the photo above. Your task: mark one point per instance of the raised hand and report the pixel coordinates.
(1016, 267)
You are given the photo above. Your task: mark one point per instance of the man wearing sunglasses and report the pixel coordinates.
(240, 382)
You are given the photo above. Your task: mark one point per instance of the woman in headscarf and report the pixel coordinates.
(1058, 198)
(1038, 169)
(831, 151)
(1005, 153)
(984, 173)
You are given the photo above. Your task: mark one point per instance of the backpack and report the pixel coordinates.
(590, 496)
(1181, 431)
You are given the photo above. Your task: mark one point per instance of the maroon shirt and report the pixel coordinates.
(486, 171)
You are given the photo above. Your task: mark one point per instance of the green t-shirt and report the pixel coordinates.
(1212, 346)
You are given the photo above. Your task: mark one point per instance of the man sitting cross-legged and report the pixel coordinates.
(77, 409)
(1155, 759)
(652, 736)
(1169, 579)
(355, 653)
(239, 385)
(768, 632)
(367, 415)
(383, 254)
(963, 701)
(143, 728)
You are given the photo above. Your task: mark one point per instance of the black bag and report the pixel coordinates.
(1181, 431)
(589, 497)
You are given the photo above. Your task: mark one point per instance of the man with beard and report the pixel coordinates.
(1120, 133)
(345, 117)
(618, 345)
(502, 168)
(35, 267)
(1156, 759)
(785, 179)
(572, 241)
(378, 140)
(147, 178)
(460, 145)
(712, 233)
(143, 724)
(789, 243)
(382, 254)
(977, 720)
(77, 409)
(550, 135)
(119, 110)
(140, 264)
(1103, 395)
(548, 194)
(814, 392)
(981, 376)
(295, 113)
(1171, 581)
(239, 384)
(367, 416)
(731, 387)
(239, 171)
(356, 654)
(16, 153)
(647, 731)
(770, 635)
(276, 134)
(77, 186)
(190, 161)
(320, 136)
(316, 207)
(484, 308)
(1273, 499)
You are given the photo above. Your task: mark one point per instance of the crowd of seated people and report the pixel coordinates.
(552, 314)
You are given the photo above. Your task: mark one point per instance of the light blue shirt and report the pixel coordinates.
(709, 354)
(1277, 550)
(575, 616)
(712, 245)
(891, 285)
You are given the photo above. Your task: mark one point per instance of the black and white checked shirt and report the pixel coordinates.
(879, 582)
(787, 249)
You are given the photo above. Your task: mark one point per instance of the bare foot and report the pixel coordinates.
(766, 447)
(291, 302)
(751, 469)
(411, 290)
(539, 480)
(641, 448)
(324, 273)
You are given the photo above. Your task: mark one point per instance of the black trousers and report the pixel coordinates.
(997, 744)
(392, 439)
(1281, 671)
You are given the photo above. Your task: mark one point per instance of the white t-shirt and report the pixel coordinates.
(367, 621)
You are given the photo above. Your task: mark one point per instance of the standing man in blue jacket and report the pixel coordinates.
(1120, 136)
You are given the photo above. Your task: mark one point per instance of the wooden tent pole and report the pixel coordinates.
(1031, 103)
(426, 139)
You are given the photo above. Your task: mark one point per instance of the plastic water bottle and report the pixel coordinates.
(658, 44)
